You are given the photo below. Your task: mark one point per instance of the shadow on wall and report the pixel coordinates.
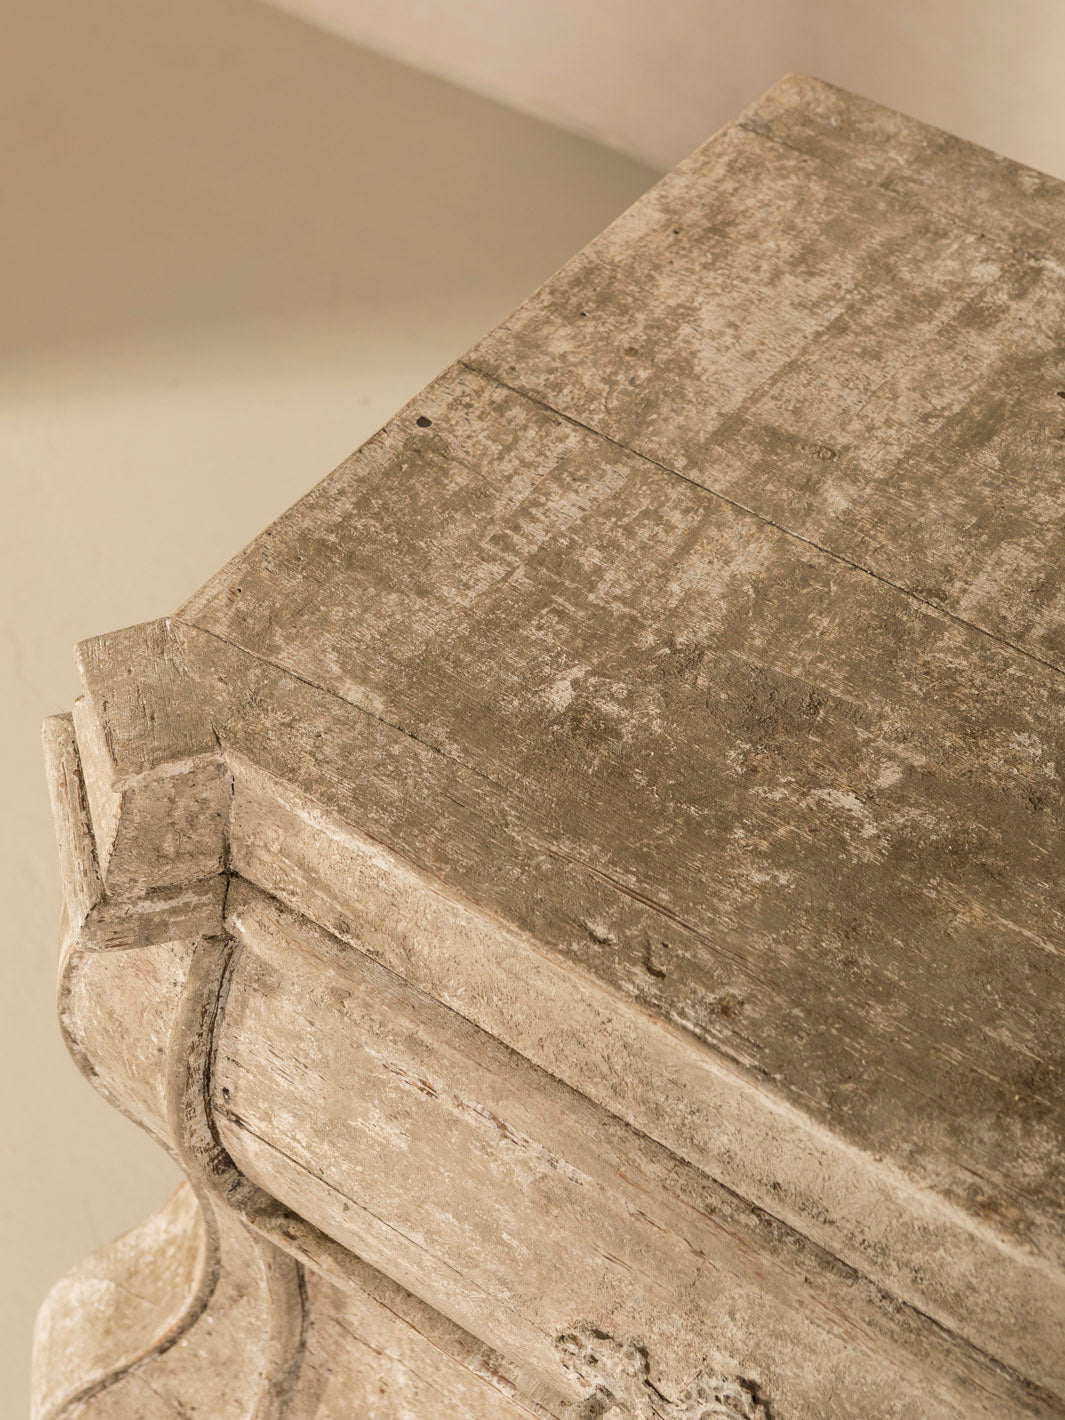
(656, 79)
(215, 162)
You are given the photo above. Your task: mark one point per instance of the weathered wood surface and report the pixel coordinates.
(504, 1198)
(150, 1327)
(849, 324)
(128, 1334)
(165, 1318)
(663, 717)
(768, 798)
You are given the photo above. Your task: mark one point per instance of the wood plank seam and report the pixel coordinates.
(750, 512)
(751, 124)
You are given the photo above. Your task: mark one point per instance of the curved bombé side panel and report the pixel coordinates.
(191, 1304)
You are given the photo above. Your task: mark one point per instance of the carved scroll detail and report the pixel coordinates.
(618, 1376)
(142, 829)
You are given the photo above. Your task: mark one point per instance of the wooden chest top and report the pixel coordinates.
(681, 676)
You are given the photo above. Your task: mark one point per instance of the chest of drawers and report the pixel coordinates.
(581, 895)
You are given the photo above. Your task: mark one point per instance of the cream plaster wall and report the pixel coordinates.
(655, 77)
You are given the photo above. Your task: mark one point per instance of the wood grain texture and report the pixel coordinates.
(831, 316)
(110, 1344)
(364, 1360)
(773, 800)
(146, 1329)
(505, 1199)
(159, 1325)
(155, 784)
(981, 190)
(697, 1103)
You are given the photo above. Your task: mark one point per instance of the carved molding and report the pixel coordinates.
(617, 1376)
(243, 1292)
(242, 1286)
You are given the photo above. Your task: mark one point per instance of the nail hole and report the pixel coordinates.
(423, 421)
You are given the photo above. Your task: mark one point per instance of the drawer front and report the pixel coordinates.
(547, 1227)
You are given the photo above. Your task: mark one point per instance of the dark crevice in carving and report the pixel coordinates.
(215, 1176)
(619, 1374)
